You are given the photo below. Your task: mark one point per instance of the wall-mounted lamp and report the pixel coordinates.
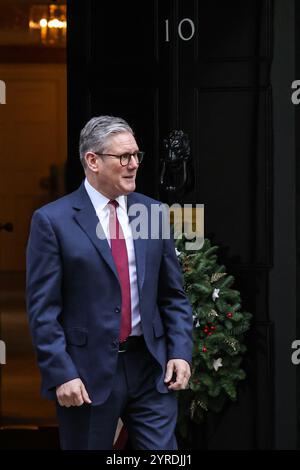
(48, 24)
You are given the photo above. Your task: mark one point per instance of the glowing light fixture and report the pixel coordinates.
(48, 24)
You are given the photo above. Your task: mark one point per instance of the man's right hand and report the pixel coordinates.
(72, 393)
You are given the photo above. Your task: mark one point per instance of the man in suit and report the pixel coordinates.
(109, 318)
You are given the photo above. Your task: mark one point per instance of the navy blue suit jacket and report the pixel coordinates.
(74, 297)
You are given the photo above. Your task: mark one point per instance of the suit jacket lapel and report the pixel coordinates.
(140, 245)
(87, 218)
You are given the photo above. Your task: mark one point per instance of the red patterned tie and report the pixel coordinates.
(119, 252)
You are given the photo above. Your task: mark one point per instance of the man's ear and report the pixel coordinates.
(91, 161)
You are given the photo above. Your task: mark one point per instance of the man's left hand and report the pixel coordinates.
(177, 374)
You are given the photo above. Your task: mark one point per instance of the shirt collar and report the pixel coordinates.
(100, 201)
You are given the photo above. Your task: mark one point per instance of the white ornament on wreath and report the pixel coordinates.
(215, 294)
(217, 363)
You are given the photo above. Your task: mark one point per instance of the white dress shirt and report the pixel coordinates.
(102, 210)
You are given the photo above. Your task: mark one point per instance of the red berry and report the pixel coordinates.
(229, 315)
(210, 333)
(204, 349)
(212, 328)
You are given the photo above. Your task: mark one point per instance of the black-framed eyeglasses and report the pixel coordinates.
(125, 158)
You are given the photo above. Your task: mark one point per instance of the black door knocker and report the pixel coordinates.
(174, 172)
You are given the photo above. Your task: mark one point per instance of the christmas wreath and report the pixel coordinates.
(218, 333)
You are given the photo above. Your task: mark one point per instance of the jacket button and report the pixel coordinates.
(117, 310)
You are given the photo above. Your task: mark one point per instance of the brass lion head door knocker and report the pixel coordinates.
(175, 174)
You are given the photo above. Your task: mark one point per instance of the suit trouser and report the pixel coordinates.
(149, 416)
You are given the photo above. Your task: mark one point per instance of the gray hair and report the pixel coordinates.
(94, 135)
